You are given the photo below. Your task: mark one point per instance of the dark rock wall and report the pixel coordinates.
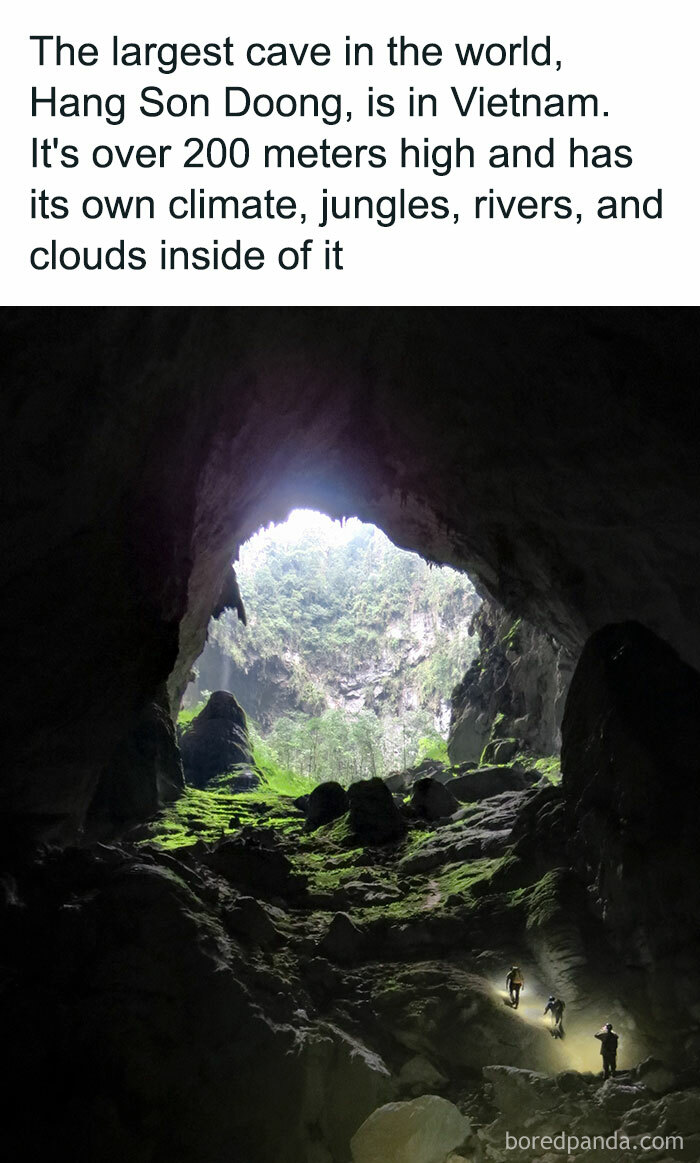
(144, 772)
(630, 775)
(514, 690)
(630, 772)
(551, 452)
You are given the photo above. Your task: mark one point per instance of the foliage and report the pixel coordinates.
(357, 643)
(186, 715)
(549, 766)
(276, 778)
(432, 747)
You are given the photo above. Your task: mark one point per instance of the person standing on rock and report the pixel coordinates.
(514, 983)
(555, 1006)
(608, 1048)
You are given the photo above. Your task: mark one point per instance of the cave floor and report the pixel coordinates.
(227, 949)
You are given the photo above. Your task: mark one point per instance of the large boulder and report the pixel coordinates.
(500, 751)
(419, 1076)
(402, 781)
(424, 1130)
(325, 803)
(217, 742)
(253, 865)
(374, 817)
(343, 941)
(248, 919)
(432, 800)
(483, 782)
(515, 1092)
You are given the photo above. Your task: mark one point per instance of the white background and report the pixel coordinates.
(639, 57)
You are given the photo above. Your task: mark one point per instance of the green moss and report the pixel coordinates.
(278, 778)
(415, 840)
(542, 902)
(184, 718)
(509, 641)
(468, 880)
(215, 813)
(337, 833)
(549, 766)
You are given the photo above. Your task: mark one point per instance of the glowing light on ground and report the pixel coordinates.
(578, 1049)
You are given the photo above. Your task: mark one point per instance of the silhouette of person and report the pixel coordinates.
(514, 983)
(608, 1048)
(555, 1006)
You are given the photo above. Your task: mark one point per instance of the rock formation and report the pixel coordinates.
(216, 743)
(630, 764)
(432, 800)
(512, 696)
(144, 773)
(326, 802)
(373, 815)
(423, 1130)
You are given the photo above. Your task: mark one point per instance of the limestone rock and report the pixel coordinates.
(374, 817)
(252, 864)
(517, 1092)
(500, 751)
(482, 782)
(432, 800)
(630, 757)
(343, 941)
(682, 1109)
(655, 1076)
(325, 803)
(483, 829)
(143, 775)
(403, 781)
(419, 1076)
(424, 1130)
(249, 919)
(343, 1082)
(513, 694)
(216, 742)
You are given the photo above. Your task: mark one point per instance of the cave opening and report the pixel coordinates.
(345, 657)
(343, 651)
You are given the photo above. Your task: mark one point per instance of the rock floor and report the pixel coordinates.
(231, 976)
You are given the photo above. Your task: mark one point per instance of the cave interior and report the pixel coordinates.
(230, 999)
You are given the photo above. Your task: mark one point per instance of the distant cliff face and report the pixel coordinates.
(351, 624)
(514, 689)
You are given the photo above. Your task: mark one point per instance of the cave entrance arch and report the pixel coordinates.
(549, 452)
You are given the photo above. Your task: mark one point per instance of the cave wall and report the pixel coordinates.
(514, 690)
(630, 769)
(551, 452)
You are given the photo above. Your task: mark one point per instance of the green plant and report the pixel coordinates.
(185, 717)
(432, 747)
